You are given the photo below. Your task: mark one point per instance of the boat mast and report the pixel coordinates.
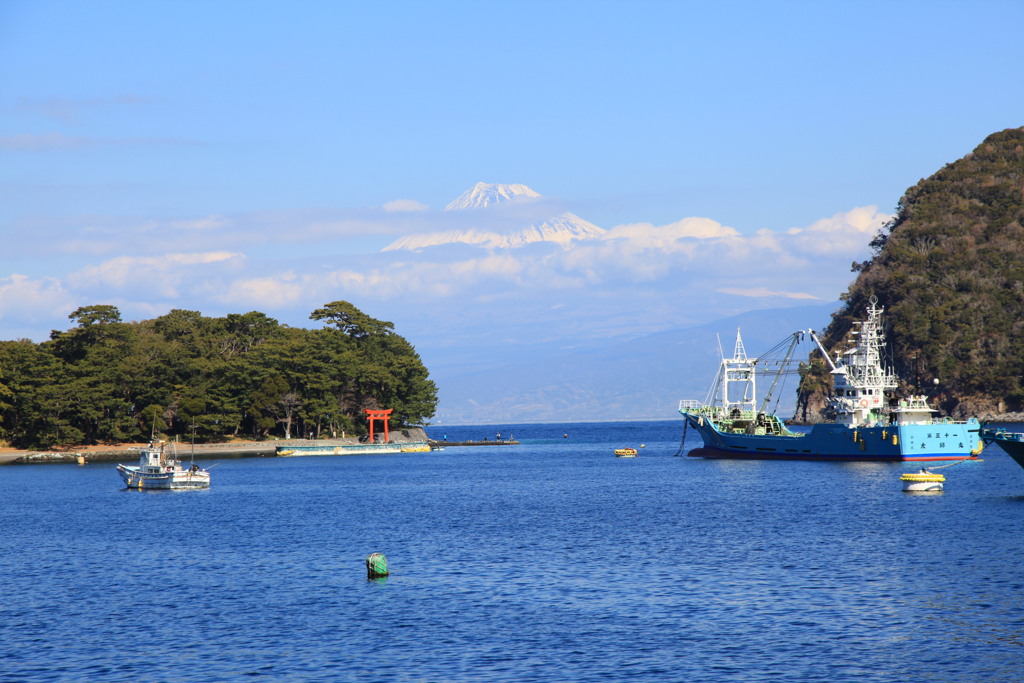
(862, 384)
(866, 369)
(738, 370)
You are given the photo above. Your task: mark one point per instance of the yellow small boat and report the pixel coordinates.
(625, 452)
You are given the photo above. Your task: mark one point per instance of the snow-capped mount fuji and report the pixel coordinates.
(562, 229)
(483, 195)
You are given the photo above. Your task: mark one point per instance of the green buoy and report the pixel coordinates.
(376, 566)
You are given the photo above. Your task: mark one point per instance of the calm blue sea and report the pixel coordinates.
(548, 561)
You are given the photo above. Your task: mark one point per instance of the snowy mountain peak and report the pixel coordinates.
(488, 194)
(561, 230)
(482, 231)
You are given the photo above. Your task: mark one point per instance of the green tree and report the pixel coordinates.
(351, 321)
(106, 380)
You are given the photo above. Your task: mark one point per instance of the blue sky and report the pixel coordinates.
(235, 156)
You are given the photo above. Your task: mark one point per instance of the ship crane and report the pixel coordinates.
(797, 338)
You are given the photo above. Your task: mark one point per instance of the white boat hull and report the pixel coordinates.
(922, 486)
(174, 479)
(353, 449)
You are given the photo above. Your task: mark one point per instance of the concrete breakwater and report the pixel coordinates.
(442, 444)
(128, 453)
(206, 451)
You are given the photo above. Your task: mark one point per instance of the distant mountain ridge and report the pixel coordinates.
(561, 229)
(639, 379)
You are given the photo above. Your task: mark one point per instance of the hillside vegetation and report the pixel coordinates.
(949, 270)
(243, 375)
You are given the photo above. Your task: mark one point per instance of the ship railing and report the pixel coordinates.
(702, 409)
(915, 403)
(1001, 433)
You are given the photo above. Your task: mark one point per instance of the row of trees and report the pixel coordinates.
(183, 374)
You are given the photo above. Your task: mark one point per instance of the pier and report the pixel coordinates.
(486, 442)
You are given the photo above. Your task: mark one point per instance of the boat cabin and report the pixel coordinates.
(913, 410)
(151, 460)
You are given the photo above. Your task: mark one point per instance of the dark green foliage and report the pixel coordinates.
(815, 385)
(949, 270)
(185, 375)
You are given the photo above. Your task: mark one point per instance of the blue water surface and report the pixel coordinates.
(552, 560)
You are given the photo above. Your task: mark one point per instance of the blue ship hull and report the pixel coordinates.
(1011, 442)
(894, 443)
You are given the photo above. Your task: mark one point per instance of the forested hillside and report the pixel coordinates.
(243, 375)
(949, 270)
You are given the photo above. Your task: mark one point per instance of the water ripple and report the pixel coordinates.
(550, 561)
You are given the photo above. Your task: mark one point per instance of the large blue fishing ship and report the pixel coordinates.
(870, 422)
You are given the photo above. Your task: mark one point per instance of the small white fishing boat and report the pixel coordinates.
(160, 469)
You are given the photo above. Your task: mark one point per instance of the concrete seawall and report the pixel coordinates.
(207, 451)
(443, 444)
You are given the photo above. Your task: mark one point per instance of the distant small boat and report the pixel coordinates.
(1011, 442)
(625, 452)
(159, 469)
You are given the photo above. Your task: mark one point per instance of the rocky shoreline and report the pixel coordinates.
(236, 449)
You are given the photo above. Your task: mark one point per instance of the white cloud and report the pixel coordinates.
(47, 142)
(207, 223)
(404, 205)
(763, 292)
(70, 111)
(656, 276)
(844, 232)
(264, 293)
(695, 254)
(163, 275)
(35, 300)
(424, 281)
(29, 142)
(668, 236)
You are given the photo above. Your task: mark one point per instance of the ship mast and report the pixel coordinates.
(862, 384)
(738, 370)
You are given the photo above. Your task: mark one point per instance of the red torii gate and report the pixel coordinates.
(383, 416)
